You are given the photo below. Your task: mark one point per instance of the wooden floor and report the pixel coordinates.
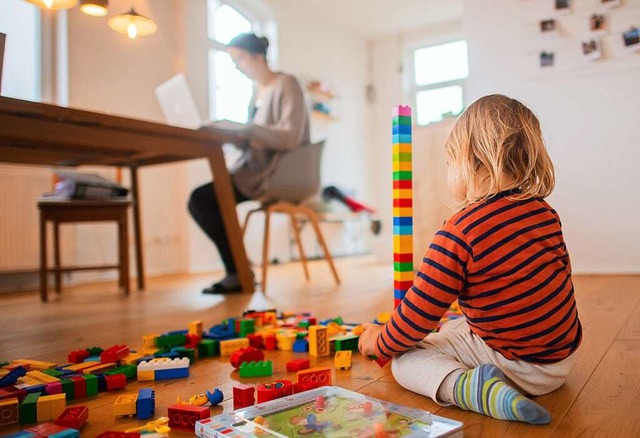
(600, 398)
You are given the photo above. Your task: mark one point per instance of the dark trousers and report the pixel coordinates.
(204, 208)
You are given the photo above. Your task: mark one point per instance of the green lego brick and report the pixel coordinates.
(209, 348)
(301, 335)
(95, 351)
(174, 340)
(247, 327)
(92, 384)
(186, 352)
(401, 120)
(403, 157)
(28, 409)
(403, 266)
(338, 320)
(3, 363)
(130, 371)
(53, 372)
(402, 175)
(304, 324)
(256, 369)
(345, 343)
(68, 389)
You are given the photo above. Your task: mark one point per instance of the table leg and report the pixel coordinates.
(43, 257)
(137, 228)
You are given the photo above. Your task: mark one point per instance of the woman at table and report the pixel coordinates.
(278, 122)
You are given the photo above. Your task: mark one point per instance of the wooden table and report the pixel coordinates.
(40, 134)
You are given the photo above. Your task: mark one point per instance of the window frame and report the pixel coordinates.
(415, 88)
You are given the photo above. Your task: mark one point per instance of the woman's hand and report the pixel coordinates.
(368, 339)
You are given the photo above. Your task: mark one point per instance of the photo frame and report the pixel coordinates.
(562, 6)
(609, 4)
(592, 50)
(598, 24)
(547, 59)
(549, 26)
(631, 39)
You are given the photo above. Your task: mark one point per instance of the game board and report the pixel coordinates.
(329, 411)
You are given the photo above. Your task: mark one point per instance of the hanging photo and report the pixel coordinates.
(610, 3)
(592, 50)
(563, 5)
(547, 59)
(631, 39)
(598, 23)
(548, 26)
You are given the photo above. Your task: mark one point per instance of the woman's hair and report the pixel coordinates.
(251, 43)
(496, 145)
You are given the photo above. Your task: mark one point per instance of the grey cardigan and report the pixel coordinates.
(280, 123)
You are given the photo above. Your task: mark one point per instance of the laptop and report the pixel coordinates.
(179, 108)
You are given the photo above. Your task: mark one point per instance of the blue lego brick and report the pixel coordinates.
(401, 138)
(21, 434)
(175, 373)
(399, 294)
(220, 332)
(146, 403)
(177, 332)
(402, 220)
(401, 129)
(403, 231)
(102, 383)
(12, 376)
(169, 354)
(69, 433)
(301, 346)
(92, 359)
(36, 389)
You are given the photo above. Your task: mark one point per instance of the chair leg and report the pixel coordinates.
(43, 257)
(327, 255)
(296, 231)
(56, 256)
(265, 249)
(246, 220)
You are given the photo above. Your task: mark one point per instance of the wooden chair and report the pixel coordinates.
(295, 179)
(73, 211)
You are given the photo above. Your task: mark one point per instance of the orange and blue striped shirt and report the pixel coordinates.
(506, 263)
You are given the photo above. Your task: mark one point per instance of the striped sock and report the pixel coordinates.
(485, 391)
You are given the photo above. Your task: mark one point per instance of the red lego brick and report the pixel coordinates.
(308, 385)
(298, 364)
(256, 341)
(272, 390)
(249, 354)
(79, 387)
(270, 342)
(184, 417)
(8, 411)
(114, 354)
(192, 341)
(77, 356)
(115, 434)
(243, 396)
(74, 417)
(46, 429)
(115, 381)
(11, 392)
(322, 375)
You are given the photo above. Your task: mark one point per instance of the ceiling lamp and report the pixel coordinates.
(94, 8)
(54, 4)
(132, 24)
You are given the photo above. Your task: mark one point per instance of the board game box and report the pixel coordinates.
(328, 411)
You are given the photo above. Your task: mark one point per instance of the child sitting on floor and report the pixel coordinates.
(504, 258)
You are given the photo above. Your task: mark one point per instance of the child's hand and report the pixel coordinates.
(367, 341)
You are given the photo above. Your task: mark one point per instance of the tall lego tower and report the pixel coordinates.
(402, 203)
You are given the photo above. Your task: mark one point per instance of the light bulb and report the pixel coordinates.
(48, 3)
(132, 30)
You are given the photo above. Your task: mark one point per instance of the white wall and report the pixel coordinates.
(589, 115)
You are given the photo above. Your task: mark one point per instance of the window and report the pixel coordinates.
(229, 90)
(20, 21)
(439, 74)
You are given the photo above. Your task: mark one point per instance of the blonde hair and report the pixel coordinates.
(497, 145)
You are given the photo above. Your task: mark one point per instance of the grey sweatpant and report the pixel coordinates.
(432, 368)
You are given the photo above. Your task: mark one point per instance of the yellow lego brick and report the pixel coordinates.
(403, 241)
(228, 347)
(403, 166)
(403, 276)
(99, 368)
(401, 148)
(42, 377)
(58, 404)
(146, 376)
(149, 342)
(195, 328)
(132, 359)
(334, 329)
(286, 340)
(44, 407)
(30, 381)
(402, 194)
(318, 341)
(82, 366)
(402, 211)
(34, 364)
(342, 359)
(270, 318)
(125, 405)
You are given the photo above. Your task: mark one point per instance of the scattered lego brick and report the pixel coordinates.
(307, 385)
(184, 417)
(74, 417)
(270, 342)
(9, 411)
(125, 405)
(146, 403)
(34, 364)
(248, 354)
(28, 410)
(256, 369)
(243, 396)
(349, 342)
(301, 346)
(322, 375)
(78, 356)
(298, 364)
(342, 360)
(318, 341)
(12, 377)
(229, 346)
(209, 348)
(50, 406)
(53, 430)
(272, 390)
(115, 381)
(286, 340)
(256, 341)
(195, 328)
(11, 392)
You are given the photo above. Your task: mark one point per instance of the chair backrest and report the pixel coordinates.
(297, 175)
(2, 40)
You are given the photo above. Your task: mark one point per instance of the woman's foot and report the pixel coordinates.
(228, 285)
(485, 391)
